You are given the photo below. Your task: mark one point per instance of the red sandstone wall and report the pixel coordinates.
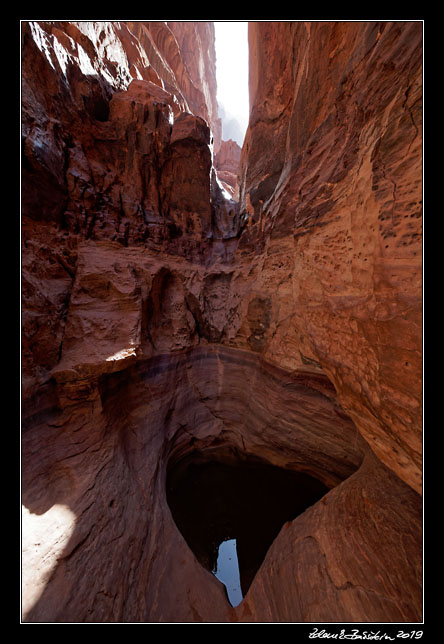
(331, 172)
(101, 162)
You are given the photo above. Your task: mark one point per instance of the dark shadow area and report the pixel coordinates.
(246, 500)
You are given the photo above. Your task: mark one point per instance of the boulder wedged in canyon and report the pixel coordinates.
(164, 320)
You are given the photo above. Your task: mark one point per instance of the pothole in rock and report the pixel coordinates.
(230, 512)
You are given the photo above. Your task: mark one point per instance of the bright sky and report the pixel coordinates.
(232, 69)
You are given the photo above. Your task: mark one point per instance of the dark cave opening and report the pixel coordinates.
(213, 501)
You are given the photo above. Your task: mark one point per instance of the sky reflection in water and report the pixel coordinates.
(227, 570)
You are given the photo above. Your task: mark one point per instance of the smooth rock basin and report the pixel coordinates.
(114, 549)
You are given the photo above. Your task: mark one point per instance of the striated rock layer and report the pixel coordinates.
(164, 321)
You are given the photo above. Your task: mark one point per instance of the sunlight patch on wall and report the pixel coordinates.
(44, 538)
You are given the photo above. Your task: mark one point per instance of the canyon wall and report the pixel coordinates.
(164, 318)
(227, 165)
(100, 160)
(337, 197)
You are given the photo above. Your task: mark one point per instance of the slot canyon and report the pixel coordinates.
(221, 341)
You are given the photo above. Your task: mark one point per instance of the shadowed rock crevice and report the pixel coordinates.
(238, 498)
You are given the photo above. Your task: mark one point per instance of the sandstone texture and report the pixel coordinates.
(227, 165)
(111, 150)
(178, 305)
(338, 200)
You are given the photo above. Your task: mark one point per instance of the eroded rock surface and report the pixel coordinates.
(118, 142)
(337, 197)
(227, 165)
(163, 319)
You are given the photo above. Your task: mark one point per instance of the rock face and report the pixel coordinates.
(104, 164)
(165, 321)
(339, 196)
(227, 165)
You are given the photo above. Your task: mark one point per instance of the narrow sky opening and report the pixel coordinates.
(232, 78)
